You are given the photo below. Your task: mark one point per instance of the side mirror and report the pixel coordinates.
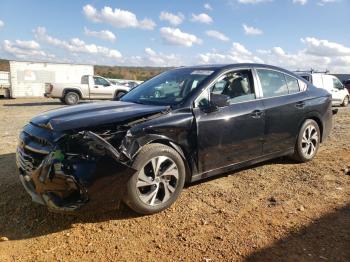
(107, 84)
(219, 100)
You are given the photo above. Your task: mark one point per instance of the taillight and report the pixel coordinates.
(50, 88)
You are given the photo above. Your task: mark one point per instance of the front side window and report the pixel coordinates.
(337, 84)
(168, 88)
(101, 81)
(237, 85)
(307, 78)
(292, 84)
(272, 83)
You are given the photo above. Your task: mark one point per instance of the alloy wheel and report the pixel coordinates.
(157, 180)
(309, 141)
(72, 99)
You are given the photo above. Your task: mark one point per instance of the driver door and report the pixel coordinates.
(101, 89)
(338, 91)
(233, 133)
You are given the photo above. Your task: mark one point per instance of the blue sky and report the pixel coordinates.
(296, 34)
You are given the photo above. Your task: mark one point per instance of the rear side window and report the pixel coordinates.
(100, 81)
(272, 83)
(292, 84)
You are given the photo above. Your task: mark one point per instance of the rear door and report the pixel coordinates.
(233, 133)
(285, 105)
(101, 88)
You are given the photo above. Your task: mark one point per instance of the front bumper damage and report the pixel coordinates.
(92, 176)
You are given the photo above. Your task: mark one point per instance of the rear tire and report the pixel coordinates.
(71, 98)
(308, 142)
(159, 179)
(345, 101)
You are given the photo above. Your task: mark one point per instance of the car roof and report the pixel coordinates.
(222, 67)
(217, 67)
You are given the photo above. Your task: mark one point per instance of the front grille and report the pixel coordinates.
(34, 146)
(39, 140)
(28, 162)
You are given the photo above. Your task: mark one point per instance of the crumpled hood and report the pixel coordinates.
(94, 114)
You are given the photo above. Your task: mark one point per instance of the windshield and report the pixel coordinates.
(168, 88)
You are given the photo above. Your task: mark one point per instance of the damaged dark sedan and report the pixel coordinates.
(181, 126)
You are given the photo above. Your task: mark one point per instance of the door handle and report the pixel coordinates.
(256, 114)
(300, 104)
(96, 86)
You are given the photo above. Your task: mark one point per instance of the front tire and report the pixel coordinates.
(71, 98)
(159, 179)
(308, 141)
(345, 101)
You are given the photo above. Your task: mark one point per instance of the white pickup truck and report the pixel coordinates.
(91, 87)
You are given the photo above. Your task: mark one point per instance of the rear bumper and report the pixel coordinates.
(48, 95)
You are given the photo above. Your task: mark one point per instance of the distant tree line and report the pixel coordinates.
(132, 73)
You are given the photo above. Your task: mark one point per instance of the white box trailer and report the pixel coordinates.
(28, 78)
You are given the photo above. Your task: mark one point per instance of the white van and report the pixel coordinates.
(340, 95)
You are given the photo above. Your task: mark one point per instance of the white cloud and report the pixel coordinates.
(202, 18)
(31, 44)
(320, 47)
(324, 2)
(250, 30)
(237, 54)
(174, 19)
(103, 34)
(253, 1)
(2, 23)
(153, 58)
(24, 49)
(175, 36)
(218, 35)
(317, 54)
(118, 18)
(300, 2)
(75, 45)
(208, 6)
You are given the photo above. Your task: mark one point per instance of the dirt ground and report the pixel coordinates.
(274, 211)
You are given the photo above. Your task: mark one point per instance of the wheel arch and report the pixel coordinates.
(184, 155)
(132, 149)
(75, 90)
(317, 118)
(116, 92)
